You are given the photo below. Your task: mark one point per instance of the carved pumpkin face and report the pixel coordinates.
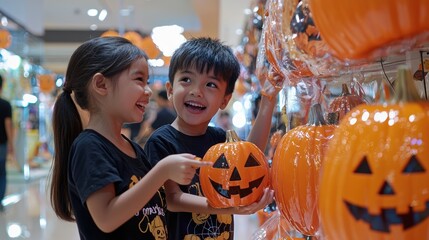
(375, 183)
(237, 177)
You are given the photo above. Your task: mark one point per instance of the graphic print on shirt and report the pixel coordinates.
(156, 225)
(202, 227)
(157, 228)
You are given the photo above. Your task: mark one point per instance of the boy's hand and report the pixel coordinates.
(266, 199)
(272, 87)
(181, 167)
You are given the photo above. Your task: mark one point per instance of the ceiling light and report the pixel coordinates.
(168, 38)
(103, 15)
(93, 27)
(125, 12)
(92, 12)
(4, 21)
(247, 11)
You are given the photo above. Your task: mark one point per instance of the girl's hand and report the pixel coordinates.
(266, 199)
(181, 167)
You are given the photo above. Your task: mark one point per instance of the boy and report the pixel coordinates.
(202, 76)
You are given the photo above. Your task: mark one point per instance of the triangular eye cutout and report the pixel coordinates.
(413, 166)
(221, 162)
(363, 167)
(251, 161)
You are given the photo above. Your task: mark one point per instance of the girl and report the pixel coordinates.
(100, 178)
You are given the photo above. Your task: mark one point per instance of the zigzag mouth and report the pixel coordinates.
(236, 190)
(387, 217)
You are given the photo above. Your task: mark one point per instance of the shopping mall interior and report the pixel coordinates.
(329, 65)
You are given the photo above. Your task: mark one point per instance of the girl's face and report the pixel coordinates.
(196, 98)
(131, 93)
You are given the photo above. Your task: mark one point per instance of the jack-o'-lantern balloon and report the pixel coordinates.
(375, 182)
(238, 176)
(371, 29)
(296, 169)
(345, 102)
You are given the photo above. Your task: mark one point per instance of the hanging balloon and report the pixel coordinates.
(134, 37)
(149, 47)
(110, 33)
(345, 102)
(306, 45)
(5, 38)
(277, 47)
(46, 82)
(167, 60)
(296, 169)
(375, 182)
(369, 29)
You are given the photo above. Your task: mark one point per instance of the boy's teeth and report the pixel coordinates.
(195, 105)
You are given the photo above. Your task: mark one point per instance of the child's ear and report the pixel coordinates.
(225, 101)
(99, 84)
(169, 89)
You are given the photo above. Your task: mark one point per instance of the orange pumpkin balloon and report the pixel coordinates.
(375, 182)
(46, 82)
(150, 48)
(238, 176)
(134, 37)
(5, 38)
(345, 102)
(110, 33)
(368, 28)
(295, 171)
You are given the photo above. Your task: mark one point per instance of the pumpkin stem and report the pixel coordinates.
(316, 116)
(405, 89)
(344, 90)
(231, 136)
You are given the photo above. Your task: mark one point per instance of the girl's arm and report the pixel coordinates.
(178, 201)
(110, 211)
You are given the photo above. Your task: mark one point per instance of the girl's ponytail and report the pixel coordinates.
(66, 127)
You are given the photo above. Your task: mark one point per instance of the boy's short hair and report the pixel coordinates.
(205, 54)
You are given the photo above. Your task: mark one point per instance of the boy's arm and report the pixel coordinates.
(261, 128)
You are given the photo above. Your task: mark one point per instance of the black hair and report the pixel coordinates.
(205, 54)
(1, 82)
(106, 55)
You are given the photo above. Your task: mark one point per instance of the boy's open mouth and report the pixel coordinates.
(195, 106)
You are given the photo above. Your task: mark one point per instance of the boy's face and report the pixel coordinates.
(197, 97)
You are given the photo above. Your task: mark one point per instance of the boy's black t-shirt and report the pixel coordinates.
(96, 162)
(167, 140)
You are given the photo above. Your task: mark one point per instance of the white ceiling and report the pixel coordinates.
(142, 15)
(214, 18)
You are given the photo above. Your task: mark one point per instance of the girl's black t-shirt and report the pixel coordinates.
(95, 162)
